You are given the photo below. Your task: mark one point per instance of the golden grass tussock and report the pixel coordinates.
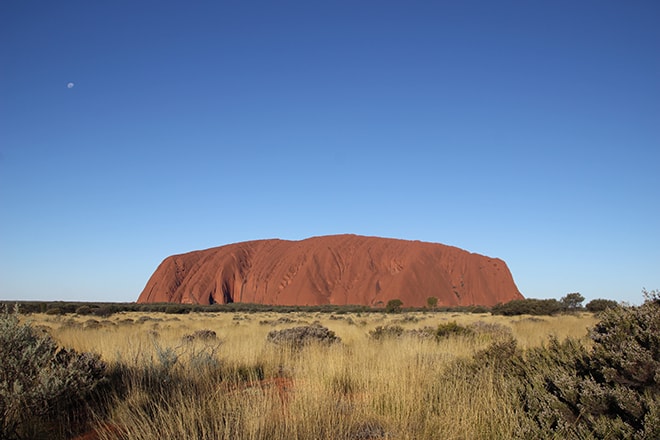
(215, 376)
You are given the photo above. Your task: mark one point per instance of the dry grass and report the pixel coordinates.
(240, 387)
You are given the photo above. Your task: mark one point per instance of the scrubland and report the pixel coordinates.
(215, 376)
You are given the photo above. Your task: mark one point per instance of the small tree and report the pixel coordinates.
(393, 306)
(432, 302)
(572, 301)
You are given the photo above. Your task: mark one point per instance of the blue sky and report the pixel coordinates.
(528, 131)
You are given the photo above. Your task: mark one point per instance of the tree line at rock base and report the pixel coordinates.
(572, 302)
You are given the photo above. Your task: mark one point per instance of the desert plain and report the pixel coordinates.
(385, 376)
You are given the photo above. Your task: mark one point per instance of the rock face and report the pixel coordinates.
(338, 269)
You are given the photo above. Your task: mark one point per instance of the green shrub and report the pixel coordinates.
(568, 391)
(451, 329)
(384, 332)
(627, 346)
(394, 306)
(529, 306)
(598, 305)
(103, 311)
(396, 331)
(38, 380)
(176, 309)
(84, 310)
(479, 309)
(299, 337)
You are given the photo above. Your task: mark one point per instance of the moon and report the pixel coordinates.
(70, 85)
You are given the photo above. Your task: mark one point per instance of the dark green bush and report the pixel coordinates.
(394, 306)
(38, 380)
(598, 305)
(84, 310)
(479, 309)
(529, 306)
(103, 311)
(568, 391)
(176, 309)
(627, 346)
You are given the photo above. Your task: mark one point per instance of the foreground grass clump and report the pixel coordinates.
(421, 375)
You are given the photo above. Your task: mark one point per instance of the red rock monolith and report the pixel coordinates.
(337, 269)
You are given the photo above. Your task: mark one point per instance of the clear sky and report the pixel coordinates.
(524, 130)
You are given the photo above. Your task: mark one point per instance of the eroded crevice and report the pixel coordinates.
(227, 294)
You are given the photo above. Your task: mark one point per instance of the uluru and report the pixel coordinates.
(336, 269)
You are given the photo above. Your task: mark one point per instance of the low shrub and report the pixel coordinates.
(394, 306)
(569, 391)
(452, 329)
(201, 335)
(103, 311)
(176, 309)
(84, 310)
(387, 331)
(39, 381)
(599, 305)
(396, 331)
(627, 347)
(479, 309)
(529, 306)
(298, 337)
